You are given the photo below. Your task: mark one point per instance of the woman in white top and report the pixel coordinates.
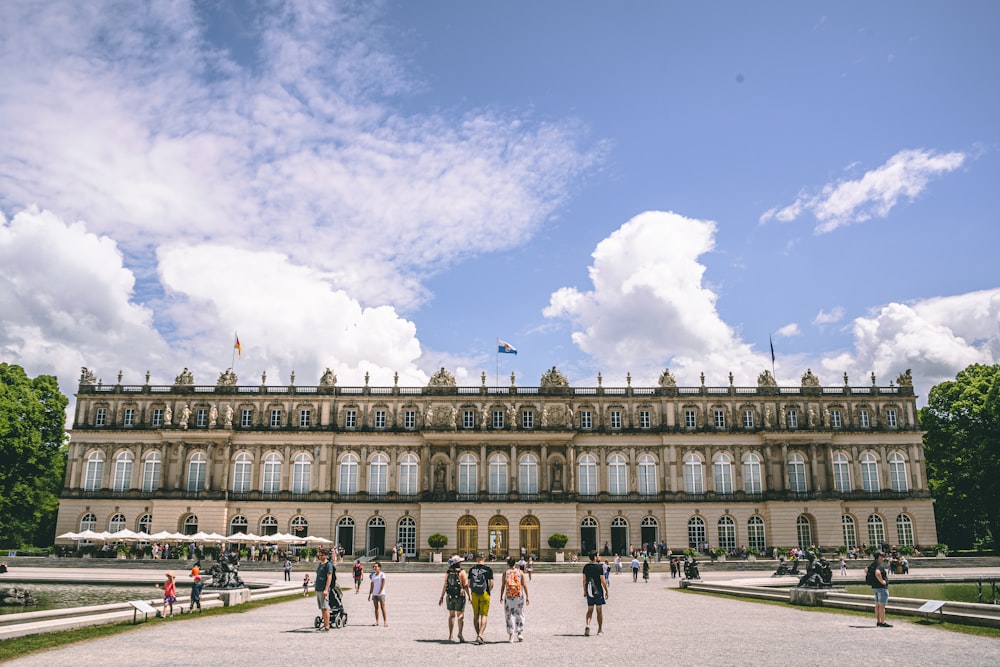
(376, 593)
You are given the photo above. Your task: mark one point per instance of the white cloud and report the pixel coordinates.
(649, 307)
(905, 174)
(791, 329)
(834, 315)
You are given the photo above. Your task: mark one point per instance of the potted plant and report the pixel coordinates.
(557, 541)
(720, 554)
(842, 551)
(940, 550)
(437, 541)
(906, 550)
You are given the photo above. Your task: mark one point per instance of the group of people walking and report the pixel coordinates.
(476, 586)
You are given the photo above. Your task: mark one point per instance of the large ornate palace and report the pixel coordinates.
(500, 467)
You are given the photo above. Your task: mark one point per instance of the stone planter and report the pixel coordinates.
(941, 554)
(436, 557)
(751, 558)
(721, 559)
(560, 557)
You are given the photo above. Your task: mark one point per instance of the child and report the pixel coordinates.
(169, 593)
(196, 593)
(305, 586)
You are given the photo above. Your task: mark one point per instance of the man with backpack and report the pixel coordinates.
(455, 589)
(877, 577)
(481, 585)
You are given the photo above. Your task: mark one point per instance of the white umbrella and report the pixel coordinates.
(199, 537)
(317, 540)
(124, 535)
(215, 537)
(254, 538)
(165, 536)
(143, 536)
(282, 538)
(238, 537)
(89, 535)
(68, 536)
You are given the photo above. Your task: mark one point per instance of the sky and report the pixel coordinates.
(391, 187)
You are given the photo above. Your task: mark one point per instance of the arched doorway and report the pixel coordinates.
(530, 535)
(406, 535)
(588, 534)
(619, 535)
(345, 535)
(499, 543)
(468, 534)
(650, 530)
(376, 537)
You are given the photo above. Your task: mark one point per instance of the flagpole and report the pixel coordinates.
(232, 362)
(496, 378)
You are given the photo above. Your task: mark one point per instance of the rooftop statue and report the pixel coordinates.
(765, 379)
(667, 380)
(553, 378)
(227, 379)
(442, 379)
(905, 379)
(86, 376)
(810, 380)
(328, 379)
(186, 377)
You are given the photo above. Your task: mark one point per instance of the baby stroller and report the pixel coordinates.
(338, 617)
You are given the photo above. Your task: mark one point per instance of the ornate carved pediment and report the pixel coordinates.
(765, 379)
(553, 378)
(666, 379)
(442, 379)
(810, 380)
(227, 379)
(328, 379)
(185, 378)
(86, 376)
(905, 379)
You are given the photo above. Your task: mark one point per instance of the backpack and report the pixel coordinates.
(453, 585)
(513, 583)
(358, 570)
(870, 577)
(477, 579)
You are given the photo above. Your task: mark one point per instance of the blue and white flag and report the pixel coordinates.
(505, 348)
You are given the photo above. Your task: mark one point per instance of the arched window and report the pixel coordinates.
(145, 524)
(727, 533)
(897, 473)
(530, 534)
(869, 473)
(499, 473)
(196, 472)
(88, 522)
(348, 474)
(345, 534)
(588, 534)
(122, 478)
(406, 535)
(271, 481)
(299, 526)
(408, 475)
(238, 524)
(797, 474)
(804, 531)
(587, 475)
(190, 524)
(468, 534)
(756, 538)
(752, 482)
(116, 523)
(617, 475)
(301, 473)
(151, 472)
(876, 530)
(94, 471)
(694, 474)
(378, 475)
(696, 532)
(241, 473)
(527, 476)
(850, 531)
(841, 473)
(468, 482)
(268, 525)
(904, 530)
(723, 468)
(647, 475)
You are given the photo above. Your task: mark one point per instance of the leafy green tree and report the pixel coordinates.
(962, 450)
(32, 456)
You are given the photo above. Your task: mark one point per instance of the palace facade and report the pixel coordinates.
(497, 468)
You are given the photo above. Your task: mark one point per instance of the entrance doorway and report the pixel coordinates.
(345, 535)
(650, 530)
(619, 536)
(376, 537)
(588, 534)
(499, 544)
(468, 534)
(530, 535)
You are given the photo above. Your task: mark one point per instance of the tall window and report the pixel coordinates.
(116, 523)
(299, 526)
(647, 475)
(835, 419)
(690, 419)
(876, 530)
(238, 524)
(723, 469)
(406, 535)
(803, 530)
(408, 474)
(157, 416)
(644, 420)
(128, 419)
(151, 472)
(123, 472)
(587, 475)
(88, 522)
(499, 473)
(864, 421)
(145, 524)
(890, 419)
(380, 419)
(305, 418)
(410, 419)
(696, 532)
(748, 419)
(727, 532)
(755, 533)
(196, 472)
(841, 473)
(246, 417)
(850, 531)
(348, 474)
(751, 474)
(268, 525)
(792, 419)
(869, 473)
(904, 530)
(241, 473)
(378, 475)
(201, 418)
(720, 419)
(191, 524)
(617, 475)
(468, 419)
(498, 419)
(101, 417)
(694, 475)
(271, 482)
(94, 471)
(586, 419)
(527, 419)
(350, 418)
(301, 472)
(275, 418)
(468, 472)
(897, 473)
(615, 419)
(527, 478)
(797, 474)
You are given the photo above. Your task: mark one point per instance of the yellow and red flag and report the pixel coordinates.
(239, 348)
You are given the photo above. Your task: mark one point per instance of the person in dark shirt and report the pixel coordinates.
(481, 585)
(595, 589)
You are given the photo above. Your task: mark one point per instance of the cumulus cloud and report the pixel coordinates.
(905, 174)
(649, 306)
(833, 316)
(790, 329)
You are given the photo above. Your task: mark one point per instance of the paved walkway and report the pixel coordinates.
(644, 624)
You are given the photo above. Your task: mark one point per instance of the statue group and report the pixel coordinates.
(225, 573)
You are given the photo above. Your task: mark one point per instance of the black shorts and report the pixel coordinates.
(455, 604)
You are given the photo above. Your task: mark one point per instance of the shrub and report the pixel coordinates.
(939, 549)
(906, 550)
(437, 541)
(842, 550)
(558, 540)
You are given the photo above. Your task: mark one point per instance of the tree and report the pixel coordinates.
(32, 456)
(962, 450)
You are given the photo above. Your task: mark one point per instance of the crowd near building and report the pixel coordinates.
(501, 468)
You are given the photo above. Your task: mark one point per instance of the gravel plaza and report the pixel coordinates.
(644, 623)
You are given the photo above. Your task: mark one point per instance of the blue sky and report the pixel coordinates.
(390, 187)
